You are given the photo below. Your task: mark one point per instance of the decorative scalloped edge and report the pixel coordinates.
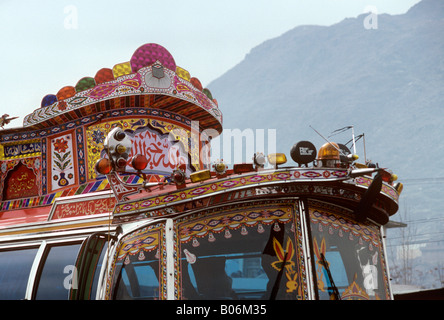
(181, 85)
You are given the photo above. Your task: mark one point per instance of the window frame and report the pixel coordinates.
(18, 247)
(40, 261)
(84, 276)
(109, 274)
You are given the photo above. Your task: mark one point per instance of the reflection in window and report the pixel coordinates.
(53, 283)
(250, 254)
(137, 269)
(138, 278)
(354, 258)
(98, 267)
(14, 272)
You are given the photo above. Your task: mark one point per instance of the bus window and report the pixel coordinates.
(349, 259)
(15, 266)
(242, 254)
(137, 269)
(56, 274)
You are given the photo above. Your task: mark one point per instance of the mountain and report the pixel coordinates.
(386, 81)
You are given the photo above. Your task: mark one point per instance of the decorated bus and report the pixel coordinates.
(109, 191)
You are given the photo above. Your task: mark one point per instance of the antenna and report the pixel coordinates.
(354, 140)
(340, 151)
(365, 154)
(353, 137)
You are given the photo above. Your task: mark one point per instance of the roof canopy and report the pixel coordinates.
(152, 71)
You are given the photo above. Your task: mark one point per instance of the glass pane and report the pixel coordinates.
(58, 272)
(138, 278)
(354, 263)
(249, 254)
(97, 272)
(14, 272)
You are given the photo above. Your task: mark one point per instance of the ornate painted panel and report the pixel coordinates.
(20, 183)
(20, 178)
(252, 179)
(62, 164)
(77, 209)
(155, 79)
(151, 137)
(22, 149)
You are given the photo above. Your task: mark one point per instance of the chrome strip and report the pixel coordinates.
(170, 263)
(384, 246)
(41, 229)
(33, 272)
(303, 216)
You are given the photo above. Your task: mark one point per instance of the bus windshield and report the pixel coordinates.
(242, 254)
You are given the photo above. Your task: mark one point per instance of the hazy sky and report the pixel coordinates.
(46, 45)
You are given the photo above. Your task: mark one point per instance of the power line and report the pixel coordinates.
(415, 242)
(425, 220)
(412, 181)
(417, 235)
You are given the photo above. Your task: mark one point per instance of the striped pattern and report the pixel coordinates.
(48, 199)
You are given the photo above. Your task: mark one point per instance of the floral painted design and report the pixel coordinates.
(98, 136)
(60, 145)
(62, 167)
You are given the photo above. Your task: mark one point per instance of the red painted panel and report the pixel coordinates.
(20, 183)
(84, 208)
